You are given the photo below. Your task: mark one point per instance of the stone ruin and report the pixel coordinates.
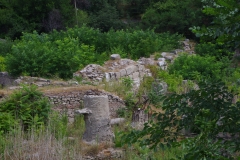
(97, 119)
(68, 102)
(117, 68)
(114, 70)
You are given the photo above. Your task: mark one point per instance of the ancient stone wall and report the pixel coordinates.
(70, 101)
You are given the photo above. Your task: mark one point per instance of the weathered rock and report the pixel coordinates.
(146, 61)
(139, 117)
(115, 57)
(169, 57)
(123, 72)
(92, 72)
(117, 121)
(5, 79)
(97, 123)
(177, 51)
(161, 63)
(163, 54)
(83, 111)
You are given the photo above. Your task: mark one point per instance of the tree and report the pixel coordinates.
(106, 18)
(207, 111)
(174, 16)
(19, 16)
(225, 27)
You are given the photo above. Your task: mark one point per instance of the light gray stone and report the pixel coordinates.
(97, 123)
(112, 75)
(115, 57)
(135, 75)
(161, 63)
(130, 69)
(123, 72)
(117, 121)
(83, 111)
(169, 57)
(177, 51)
(162, 59)
(118, 75)
(163, 54)
(107, 77)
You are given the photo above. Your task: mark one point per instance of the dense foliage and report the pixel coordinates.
(19, 16)
(207, 111)
(174, 16)
(44, 16)
(63, 53)
(225, 26)
(38, 55)
(195, 67)
(26, 107)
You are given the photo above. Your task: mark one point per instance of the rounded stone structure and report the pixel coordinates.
(97, 123)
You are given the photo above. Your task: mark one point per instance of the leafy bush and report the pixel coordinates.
(195, 67)
(174, 16)
(62, 53)
(37, 55)
(210, 109)
(2, 64)
(134, 43)
(211, 49)
(5, 47)
(106, 18)
(26, 107)
(173, 81)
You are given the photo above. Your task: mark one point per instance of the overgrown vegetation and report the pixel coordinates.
(25, 107)
(203, 89)
(63, 53)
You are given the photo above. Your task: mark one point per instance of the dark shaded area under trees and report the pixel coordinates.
(45, 15)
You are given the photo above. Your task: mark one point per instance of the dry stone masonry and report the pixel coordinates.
(115, 69)
(70, 101)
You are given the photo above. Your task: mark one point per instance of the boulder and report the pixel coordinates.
(115, 57)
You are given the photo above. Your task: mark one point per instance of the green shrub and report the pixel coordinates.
(63, 53)
(195, 67)
(26, 106)
(2, 64)
(173, 81)
(210, 109)
(134, 43)
(38, 55)
(211, 49)
(5, 47)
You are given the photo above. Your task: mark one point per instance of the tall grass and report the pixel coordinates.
(56, 141)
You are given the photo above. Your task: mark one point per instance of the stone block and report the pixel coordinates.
(141, 74)
(130, 69)
(135, 75)
(115, 57)
(162, 59)
(118, 75)
(161, 63)
(163, 54)
(107, 77)
(123, 72)
(112, 75)
(141, 67)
